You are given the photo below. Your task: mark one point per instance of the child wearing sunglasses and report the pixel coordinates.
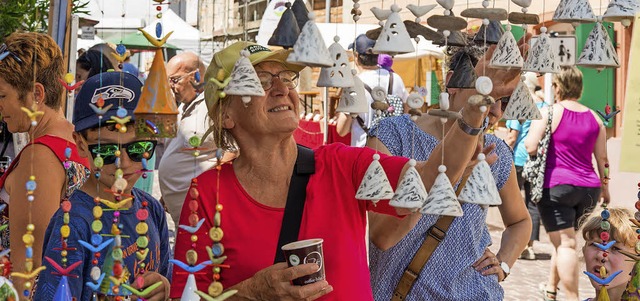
(116, 154)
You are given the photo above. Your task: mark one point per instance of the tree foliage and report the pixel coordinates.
(29, 15)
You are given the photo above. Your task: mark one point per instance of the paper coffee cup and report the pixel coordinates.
(302, 252)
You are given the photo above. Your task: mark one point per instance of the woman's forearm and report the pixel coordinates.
(514, 238)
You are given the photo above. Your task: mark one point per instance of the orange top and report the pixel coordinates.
(156, 94)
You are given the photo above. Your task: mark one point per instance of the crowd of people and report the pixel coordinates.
(237, 186)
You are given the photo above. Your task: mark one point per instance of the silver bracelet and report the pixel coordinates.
(465, 127)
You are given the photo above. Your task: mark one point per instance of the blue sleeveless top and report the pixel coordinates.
(448, 274)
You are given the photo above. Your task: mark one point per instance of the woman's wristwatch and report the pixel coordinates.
(506, 269)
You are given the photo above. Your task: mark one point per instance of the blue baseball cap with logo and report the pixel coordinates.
(119, 89)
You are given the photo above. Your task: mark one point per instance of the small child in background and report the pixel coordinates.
(616, 258)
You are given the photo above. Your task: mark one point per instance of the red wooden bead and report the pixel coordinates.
(638, 205)
(66, 206)
(216, 276)
(144, 203)
(158, 8)
(605, 254)
(193, 206)
(604, 236)
(94, 262)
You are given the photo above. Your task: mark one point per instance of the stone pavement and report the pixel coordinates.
(526, 275)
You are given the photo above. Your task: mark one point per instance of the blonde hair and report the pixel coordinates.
(34, 49)
(621, 230)
(568, 83)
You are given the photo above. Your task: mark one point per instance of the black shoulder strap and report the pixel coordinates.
(302, 171)
(390, 89)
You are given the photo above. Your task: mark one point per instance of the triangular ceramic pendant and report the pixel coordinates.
(493, 32)
(375, 185)
(541, 57)
(301, 13)
(622, 11)
(394, 38)
(310, 49)
(464, 75)
(63, 292)
(339, 74)
(574, 11)
(507, 54)
(353, 99)
(410, 193)
(598, 51)
(521, 105)
(244, 79)
(190, 288)
(480, 187)
(442, 198)
(287, 32)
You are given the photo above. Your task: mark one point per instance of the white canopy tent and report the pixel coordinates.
(184, 36)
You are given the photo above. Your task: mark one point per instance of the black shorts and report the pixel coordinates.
(562, 206)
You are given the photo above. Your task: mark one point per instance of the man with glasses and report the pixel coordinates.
(118, 159)
(184, 72)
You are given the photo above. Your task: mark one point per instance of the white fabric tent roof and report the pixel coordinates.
(184, 35)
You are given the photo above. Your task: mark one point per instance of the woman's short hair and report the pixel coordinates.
(621, 229)
(94, 62)
(569, 83)
(367, 59)
(40, 54)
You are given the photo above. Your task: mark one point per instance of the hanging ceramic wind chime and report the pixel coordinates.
(394, 38)
(287, 32)
(623, 11)
(521, 105)
(598, 51)
(339, 73)
(574, 12)
(309, 49)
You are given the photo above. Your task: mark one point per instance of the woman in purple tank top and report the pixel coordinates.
(571, 185)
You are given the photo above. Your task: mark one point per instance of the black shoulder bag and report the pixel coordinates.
(302, 171)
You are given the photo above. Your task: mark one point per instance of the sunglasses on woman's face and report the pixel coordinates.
(504, 102)
(135, 150)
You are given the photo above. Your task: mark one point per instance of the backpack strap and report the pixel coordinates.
(305, 166)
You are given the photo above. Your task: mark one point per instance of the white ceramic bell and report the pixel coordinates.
(622, 11)
(353, 99)
(521, 105)
(574, 11)
(394, 38)
(598, 51)
(507, 54)
(442, 198)
(339, 74)
(244, 79)
(480, 188)
(541, 57)
(375, 185)
(410, 193)
(310, 49)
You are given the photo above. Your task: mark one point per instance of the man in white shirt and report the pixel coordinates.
(372, 75)
(178, 164)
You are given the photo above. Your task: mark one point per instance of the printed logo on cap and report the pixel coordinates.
(113, 92)
(256, 48)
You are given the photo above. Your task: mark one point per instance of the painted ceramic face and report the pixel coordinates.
(274, 113)
(614, 261)
(10, 104)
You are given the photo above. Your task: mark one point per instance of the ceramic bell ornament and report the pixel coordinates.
(541, 58)
(490, 34)
(156, 114)
(622, 11)
(523, 17)
(480, 187)
(485, 12)
(244, 80)
(574, 12)
(339, 74)
(507, 54)
(353, 99)
(394, 38)
(301, 13)
(309, 49)
(410, 193)
(287, 32)
(464, 75)
(442, 198)
(375, 185)
(521, 105)
(598, 51)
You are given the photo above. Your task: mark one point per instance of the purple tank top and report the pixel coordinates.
(569, 154)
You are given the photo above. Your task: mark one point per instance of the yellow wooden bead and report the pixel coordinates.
(97, 212)
(28, 239)
(216, 234)
(32, 178)
(68, 78)
(192, 257)
(194, 238)
(118, 153)
(63, 253)
(142, 228)
(215, 289)
(31, 227)
(65, 231)
(27, 285)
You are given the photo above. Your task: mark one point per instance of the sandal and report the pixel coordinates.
(547, 295)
